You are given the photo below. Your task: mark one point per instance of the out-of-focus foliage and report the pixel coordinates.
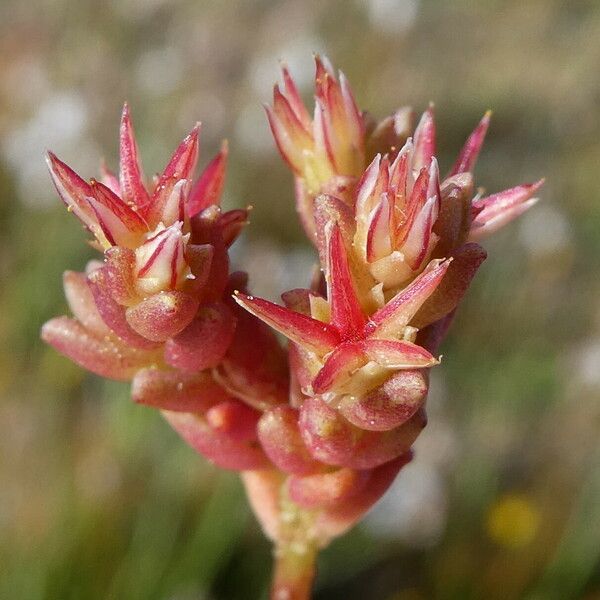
(100, 499)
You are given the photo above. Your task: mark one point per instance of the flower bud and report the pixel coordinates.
(160, 260)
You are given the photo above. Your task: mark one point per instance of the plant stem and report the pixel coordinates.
(294, 571)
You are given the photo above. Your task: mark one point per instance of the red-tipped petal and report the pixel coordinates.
(109, 179)
(424, 140)
(286, 142)
(102, 356)
(293, 97)
(339, 367)
(452, 287)
(183, 162)
(163, 315)
(209, 187)
(72, 189)
(172, 390)
(394, 354)
(390, 320)
(470, 151)
(498, 209)
(314, 335)
(131, 175)
(203, 343)
(346, 314)
(121, 225)
(378, 235)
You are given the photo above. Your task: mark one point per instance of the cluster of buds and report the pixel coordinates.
(158, 309)
(321, 428)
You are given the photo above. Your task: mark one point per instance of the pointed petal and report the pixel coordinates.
(394, 354)
(346, 314)
(470, 151)
(424, 140)
(418, 244)
(109, 179)
(131, 175)
(183, 162)
(209, 187)
(121, 225)
(498, 209)
(160, 260)
(339, 367)
(293, 97)
(390, 320)
(453, 286)
(72, 189)
(378, 235)
(307, 332)
(287, 140)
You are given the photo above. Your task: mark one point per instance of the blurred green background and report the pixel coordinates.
(100, 499)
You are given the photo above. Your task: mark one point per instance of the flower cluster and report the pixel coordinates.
(320, 428)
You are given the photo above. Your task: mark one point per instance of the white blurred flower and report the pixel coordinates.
(392, 16)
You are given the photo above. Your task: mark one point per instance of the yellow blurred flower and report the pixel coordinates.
(513, 521)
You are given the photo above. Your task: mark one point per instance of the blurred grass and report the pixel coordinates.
(99, 499)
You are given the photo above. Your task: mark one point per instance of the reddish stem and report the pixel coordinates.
(294, 572)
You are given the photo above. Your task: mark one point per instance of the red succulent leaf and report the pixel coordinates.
(203, 343)
(314, 335)
(209, 187)
(101, 355)
(281, 440)
(131, 175)
(390, 404)
(346, 314)
(424, 140)
(216, 446)
(234, 419)
(113, 313)
(162, 315)
(470, 151)
(391, 319)
(173, 390)
(452, 288)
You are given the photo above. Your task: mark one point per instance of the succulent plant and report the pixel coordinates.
(318, 429)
